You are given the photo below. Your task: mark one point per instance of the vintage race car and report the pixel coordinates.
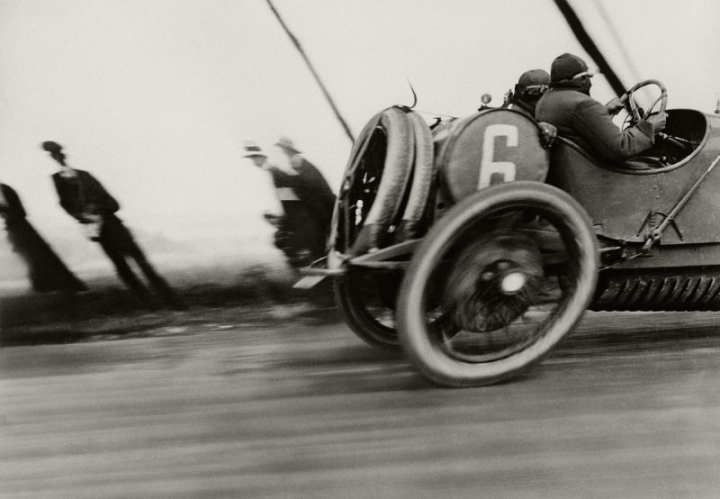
(474, 248)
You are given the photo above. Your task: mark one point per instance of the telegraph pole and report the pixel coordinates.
(296, 42)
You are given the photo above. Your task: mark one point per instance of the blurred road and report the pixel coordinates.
(628, 407)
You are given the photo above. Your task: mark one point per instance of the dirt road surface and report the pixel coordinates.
(628, 407)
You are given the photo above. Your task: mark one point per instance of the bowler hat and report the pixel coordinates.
(287, 143)
(51, 146)
(566, 67)
(252, 149)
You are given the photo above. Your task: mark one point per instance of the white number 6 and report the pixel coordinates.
(488, 167)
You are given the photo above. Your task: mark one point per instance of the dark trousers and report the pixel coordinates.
(119, 245)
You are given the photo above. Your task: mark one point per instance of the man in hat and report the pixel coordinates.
(84, 198)
(530, 87)
(297, 232)
(582, 119)
(312, 189)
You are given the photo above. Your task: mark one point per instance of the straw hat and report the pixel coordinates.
(287, 143)
(252, 149)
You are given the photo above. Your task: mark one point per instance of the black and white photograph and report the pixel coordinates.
(359, 249)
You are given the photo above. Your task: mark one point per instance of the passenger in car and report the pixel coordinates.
(530, 87)
(580, 118)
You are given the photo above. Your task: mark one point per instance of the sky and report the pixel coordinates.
(156, 97)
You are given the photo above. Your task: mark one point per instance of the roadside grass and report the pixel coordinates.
(218, 297)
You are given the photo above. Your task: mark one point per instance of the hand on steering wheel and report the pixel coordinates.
(628, 99)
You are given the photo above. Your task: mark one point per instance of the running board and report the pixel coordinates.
(312, 276)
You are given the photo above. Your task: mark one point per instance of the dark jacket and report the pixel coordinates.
(83, 195)
(313, 189)
(588, 123)
(524, 107)
(308, 203)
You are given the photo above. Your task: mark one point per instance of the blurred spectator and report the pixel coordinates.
(46, 271)
(301, 228)
(313, 190)
(85, 199)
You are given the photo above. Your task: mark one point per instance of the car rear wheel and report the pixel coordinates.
(493, 267)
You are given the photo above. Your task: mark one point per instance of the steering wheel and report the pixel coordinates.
(628, 99)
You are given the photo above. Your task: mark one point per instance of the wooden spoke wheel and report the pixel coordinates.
(496, 260)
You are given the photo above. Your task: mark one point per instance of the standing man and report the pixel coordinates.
(46, 271)
(84, 198)
(298, 234)
(314, 191)
(582, 119)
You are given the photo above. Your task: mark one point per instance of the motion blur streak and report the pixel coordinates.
(627, 407)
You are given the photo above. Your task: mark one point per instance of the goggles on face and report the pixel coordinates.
(535, 89)
(589, 73)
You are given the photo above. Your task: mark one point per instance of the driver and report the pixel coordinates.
(585, 121)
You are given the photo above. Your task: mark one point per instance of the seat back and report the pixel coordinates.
(627, 204)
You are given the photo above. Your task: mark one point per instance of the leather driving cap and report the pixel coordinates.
(534, 77)
(565, 67)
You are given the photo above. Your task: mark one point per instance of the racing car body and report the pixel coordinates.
(475, 248)
(619, 198)
(669, 204)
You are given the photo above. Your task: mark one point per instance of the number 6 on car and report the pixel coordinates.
(505, 143)
(489, 168)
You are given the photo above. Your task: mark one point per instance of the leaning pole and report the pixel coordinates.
(295, 41)
(589, 45)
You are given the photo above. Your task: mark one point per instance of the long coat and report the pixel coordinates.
(300, 234)
(587, 122)
(46, 271)
(313, 189)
